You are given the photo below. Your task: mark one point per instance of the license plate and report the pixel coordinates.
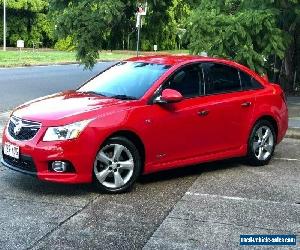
(11, 150)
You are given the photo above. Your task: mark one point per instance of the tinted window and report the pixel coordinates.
(248, 82)
(125, 79)
(220, 78)
(188, 81)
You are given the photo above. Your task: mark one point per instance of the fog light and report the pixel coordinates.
(59, 166)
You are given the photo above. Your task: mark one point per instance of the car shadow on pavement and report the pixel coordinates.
(33, 186)
(28, 184)
(193, 170)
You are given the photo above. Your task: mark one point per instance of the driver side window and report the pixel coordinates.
(188, 81)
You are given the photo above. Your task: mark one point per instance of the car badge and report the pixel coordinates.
(18, 127)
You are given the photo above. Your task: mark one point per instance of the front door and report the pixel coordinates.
(177, 126)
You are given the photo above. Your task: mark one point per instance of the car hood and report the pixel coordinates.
(67, 107)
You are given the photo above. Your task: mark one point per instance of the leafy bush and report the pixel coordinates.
(66, 44)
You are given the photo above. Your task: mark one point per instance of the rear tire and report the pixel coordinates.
(117, 165)
(261, 144)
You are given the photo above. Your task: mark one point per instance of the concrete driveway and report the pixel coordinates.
(206, 206)
(229, 199)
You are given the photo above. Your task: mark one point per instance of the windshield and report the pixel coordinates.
(125, 80)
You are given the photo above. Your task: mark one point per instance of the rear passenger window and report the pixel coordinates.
(220, 78)
(248, 82)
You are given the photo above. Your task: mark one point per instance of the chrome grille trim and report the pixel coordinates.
(21, 129)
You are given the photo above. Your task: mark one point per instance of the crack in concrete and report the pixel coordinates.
(62, 223)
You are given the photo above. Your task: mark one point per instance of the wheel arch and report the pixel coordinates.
(270, 119)
(134, 138)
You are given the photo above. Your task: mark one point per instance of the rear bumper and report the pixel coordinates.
(283, 124)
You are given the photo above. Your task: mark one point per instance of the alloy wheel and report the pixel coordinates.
(263, 143)
(114, 166)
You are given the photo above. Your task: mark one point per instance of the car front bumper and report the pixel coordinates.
(36, 157)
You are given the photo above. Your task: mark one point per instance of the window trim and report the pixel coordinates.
(229, 91)
(242, 88)
(252, 77)
(157, 92)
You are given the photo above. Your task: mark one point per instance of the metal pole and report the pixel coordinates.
(138, 42)
(4, 25)
(139, 32)
(295, 77)
(274, 69)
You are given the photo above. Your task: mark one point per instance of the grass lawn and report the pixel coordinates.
(27, 58)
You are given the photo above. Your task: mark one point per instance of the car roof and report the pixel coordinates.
(173, 60)
(168, 59)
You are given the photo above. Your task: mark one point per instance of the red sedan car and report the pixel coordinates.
(144, 115)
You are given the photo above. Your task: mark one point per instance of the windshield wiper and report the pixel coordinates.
(92, 92)
(124, 97)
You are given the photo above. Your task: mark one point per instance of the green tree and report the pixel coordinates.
(90, 24)
(248, 31)
(287, 14)
(169, 18)
(28, 20)
(110, 24)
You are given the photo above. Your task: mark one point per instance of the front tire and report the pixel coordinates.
(117, 165)
(261, 144)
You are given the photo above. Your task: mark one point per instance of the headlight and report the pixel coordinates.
(67, 132)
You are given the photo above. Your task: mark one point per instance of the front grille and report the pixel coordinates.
(22, 130)
(23, 163)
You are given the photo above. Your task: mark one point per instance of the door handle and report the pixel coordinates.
(203, 113)
(246, 104)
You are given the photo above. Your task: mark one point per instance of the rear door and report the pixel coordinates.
(227, 106)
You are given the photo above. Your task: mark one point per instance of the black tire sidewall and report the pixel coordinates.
(137, 165)
(251, 155)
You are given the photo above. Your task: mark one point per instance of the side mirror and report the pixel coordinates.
(169, 96)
